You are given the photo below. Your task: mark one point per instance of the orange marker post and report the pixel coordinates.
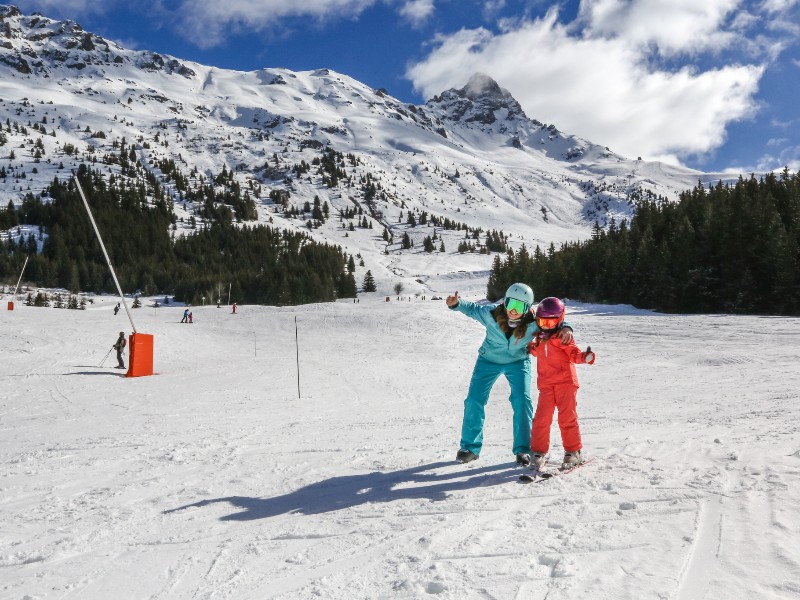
(141, 355)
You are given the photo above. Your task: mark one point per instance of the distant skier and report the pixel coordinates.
(116, 309)
(233, 312)
(119, 346)
(509, 329)
(185, 318)
(558, 385)
(190, 318)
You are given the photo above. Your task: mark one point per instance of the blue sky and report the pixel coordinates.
(711, 84)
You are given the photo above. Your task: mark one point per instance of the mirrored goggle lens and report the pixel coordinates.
(547, 323)
(517, 305)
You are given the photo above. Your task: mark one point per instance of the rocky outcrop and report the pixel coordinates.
(482, 101)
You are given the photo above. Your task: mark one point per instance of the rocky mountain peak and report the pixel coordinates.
(481, 85)
(481, 101)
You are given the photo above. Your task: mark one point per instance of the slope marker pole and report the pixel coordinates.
(297, 348)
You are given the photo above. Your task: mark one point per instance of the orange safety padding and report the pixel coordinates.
(10, 305)
(141, 357)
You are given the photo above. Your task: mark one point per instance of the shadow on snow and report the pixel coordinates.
(338, 493)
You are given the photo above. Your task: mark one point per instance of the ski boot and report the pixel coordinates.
(465, 456)
(538, 461)
(571, 460)
(523, 459)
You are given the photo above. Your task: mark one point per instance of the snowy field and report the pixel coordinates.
(212, 480)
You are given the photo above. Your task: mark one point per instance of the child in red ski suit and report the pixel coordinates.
(558, 385)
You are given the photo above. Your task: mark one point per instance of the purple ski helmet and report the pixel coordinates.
(550, 313)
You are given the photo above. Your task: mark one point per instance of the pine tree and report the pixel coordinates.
(369, 282)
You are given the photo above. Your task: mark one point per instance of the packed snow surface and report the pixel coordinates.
(212, 479)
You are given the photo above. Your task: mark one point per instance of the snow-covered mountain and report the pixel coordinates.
(470, 155)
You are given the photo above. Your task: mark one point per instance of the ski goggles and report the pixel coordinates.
(517, 305)
(548, 322)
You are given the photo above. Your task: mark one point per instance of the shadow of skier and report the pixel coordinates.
(114, 374)
(338, 493)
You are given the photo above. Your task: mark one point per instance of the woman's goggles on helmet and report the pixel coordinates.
(548, 322)
(517, 305)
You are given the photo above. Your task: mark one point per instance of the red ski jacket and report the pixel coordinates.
(555, 362)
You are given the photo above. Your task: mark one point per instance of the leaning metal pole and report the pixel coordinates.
(103, 246)
(16, 289)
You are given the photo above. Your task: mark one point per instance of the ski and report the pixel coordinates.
(539, 476)
(534, 473)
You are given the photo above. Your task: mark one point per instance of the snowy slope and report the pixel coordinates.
(212, 479)
(470, 155)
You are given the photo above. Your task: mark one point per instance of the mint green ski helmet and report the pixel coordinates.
(520, 292)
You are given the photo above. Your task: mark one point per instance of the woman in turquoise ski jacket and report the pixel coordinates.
(510, 327)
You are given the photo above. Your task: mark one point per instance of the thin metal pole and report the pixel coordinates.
(297, 346)
(229, 293)
(20, 276)
(103, 246)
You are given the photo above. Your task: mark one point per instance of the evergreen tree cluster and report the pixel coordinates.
(331, 167)
(57, 301)
(263, 265)
(729, 249)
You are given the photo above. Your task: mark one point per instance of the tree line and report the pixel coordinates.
(263, 265)
(730, 248)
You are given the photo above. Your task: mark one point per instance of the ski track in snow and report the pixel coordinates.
(212, 480)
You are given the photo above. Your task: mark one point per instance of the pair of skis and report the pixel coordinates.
(539, 475)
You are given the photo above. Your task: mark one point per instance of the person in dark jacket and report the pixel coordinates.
(119, 346)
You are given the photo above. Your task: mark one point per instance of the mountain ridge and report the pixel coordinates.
(469, 155)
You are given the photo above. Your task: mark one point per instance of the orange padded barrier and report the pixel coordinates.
(141, 358)
(10, 305)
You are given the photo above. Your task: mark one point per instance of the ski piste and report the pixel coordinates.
(539, 476)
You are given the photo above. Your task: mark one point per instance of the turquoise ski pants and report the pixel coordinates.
(484, 375)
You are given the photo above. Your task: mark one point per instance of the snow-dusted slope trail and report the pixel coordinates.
(212, 479)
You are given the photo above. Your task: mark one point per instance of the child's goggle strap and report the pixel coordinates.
(517, 305)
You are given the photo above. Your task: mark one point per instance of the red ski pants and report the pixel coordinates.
(564, 398)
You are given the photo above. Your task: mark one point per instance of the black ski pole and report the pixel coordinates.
(106, 356)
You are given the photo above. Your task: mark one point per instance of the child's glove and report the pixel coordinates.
(590, 356)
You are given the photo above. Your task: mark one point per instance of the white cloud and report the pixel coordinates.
(63, 9)
(492, 7)
(417, 12)
(602, 76)
(672, 26)
(789, 156)
(206, 22)
(777, 6)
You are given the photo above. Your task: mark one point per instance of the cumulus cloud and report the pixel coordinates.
(624, 74)
(417, 12)
(675, 26)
